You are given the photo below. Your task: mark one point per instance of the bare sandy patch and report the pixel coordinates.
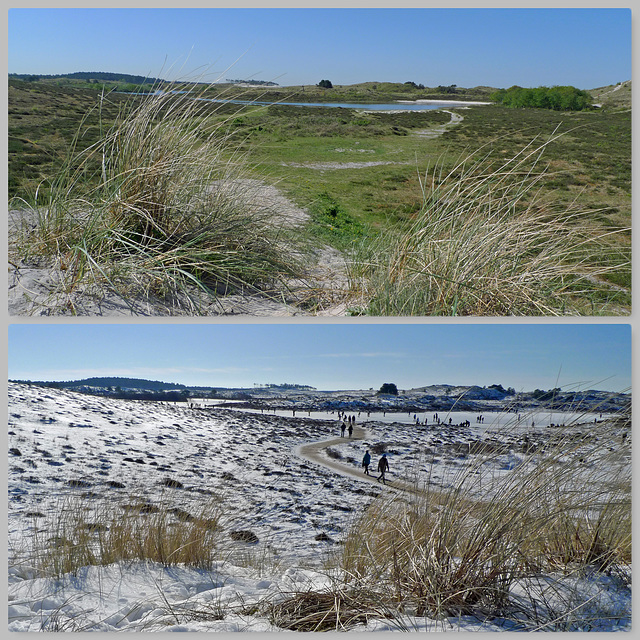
(323, 166)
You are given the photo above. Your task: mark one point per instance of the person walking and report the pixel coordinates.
(366, 461)
(342, 428)
(350, 429)
(383, 467)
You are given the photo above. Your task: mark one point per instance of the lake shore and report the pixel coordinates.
(448, 102)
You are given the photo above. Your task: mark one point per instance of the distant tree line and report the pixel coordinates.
(89, 75)
(116, 391)
(115, 381)
(556, 98)
(27, 77)
(166, 396)
(136, 394)
(266, 83)
(452, 88)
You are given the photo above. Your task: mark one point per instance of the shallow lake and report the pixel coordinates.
(489, 419)
(396, 106)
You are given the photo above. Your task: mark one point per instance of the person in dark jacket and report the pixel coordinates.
(383, 467)
(366, 461)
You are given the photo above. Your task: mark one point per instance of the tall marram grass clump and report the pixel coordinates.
(486, 242)
(504, 540)
(79, 535)
(159, 204)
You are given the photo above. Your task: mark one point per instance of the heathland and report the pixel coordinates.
(473, 210)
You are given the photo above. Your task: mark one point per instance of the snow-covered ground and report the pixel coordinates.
(69, 449)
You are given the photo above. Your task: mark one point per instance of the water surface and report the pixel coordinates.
(482, 420)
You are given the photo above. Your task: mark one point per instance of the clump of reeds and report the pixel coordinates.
(564, 509)
(159, 207)
(110, 533)
(486, 242)
(332, 610)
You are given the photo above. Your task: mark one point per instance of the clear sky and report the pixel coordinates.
(329, 356)
(586, 48)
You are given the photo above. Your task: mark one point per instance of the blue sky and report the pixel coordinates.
(329, 355)
(587, 48)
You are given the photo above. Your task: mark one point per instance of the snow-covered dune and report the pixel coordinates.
(66, 448)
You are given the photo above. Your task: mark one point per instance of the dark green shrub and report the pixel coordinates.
(389, 388)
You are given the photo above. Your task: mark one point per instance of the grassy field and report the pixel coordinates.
(320, 157)
(363, 173)
(592, 159)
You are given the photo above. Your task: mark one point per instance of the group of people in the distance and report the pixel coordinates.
(383, 466)
(343, 427)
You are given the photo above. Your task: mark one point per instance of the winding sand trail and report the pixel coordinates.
(312, 453)
(436, 497)
(434, 132)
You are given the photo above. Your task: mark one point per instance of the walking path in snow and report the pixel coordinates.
(312, 452)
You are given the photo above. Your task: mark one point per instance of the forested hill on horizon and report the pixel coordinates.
(141, 384)
(87, 75)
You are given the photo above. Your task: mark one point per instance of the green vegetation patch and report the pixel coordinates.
(332, 222)
(556, 98)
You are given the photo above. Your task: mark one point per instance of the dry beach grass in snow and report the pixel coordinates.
(511, 530)
(134, 530)
(488, 545)
(157, 208)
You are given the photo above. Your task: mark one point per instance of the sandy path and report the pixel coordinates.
(312, 451)
(324, 166)
(434, 132)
